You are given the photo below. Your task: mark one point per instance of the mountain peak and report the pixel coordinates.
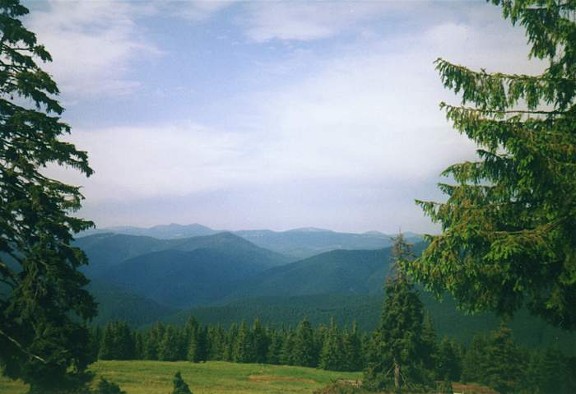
(309, 230)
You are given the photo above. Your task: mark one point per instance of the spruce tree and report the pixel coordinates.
(260, 342)
(304, 351)
(172, 346)
(180, 386)
(396, 360)
(509, 222)
(332, 356)
(352, 342)
(152, 341)
(118, 342)
(275, 347)
(43, 302)
(449, 362)
(507, 362)
(243, 349)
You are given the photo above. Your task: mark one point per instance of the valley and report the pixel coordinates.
(224, 278)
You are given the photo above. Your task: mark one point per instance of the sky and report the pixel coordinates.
(266, 114)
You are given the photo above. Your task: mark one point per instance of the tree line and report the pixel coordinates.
(403, 354)
(493, 359)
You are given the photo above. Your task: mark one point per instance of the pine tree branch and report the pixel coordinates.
(21, 348)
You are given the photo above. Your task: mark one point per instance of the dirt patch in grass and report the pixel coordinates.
(272, 378)
(472, 389)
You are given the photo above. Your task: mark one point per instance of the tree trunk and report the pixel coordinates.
(397, 377)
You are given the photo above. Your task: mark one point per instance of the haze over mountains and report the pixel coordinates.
(165, 268)
(297, 243)
(167, 272)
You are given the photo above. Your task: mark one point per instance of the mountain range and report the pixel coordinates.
(226, 277)
(297, 243)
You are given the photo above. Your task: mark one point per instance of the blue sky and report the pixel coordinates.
(266, 114)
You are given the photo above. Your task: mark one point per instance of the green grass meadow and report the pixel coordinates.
(215, 377)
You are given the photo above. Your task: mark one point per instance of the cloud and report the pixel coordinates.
(332, 137)
(92, 44)
(305, 21)
(197, 10)
(162, 160)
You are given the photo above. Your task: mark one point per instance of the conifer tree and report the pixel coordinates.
(449, 362)
(152, 341)
(172, 346)
(396, 360)
(43, 302)
(260, 342)
(475, 359)
(275, 347)
(287, 352)
(332, 355)
(117, 342)
(352, 342)
(197, 341)
(506, 362)
(509, 222)
(216, 343)
(180, 386)
(304, 352)
(243, 349)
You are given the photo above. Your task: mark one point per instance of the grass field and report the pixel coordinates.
(155, 377)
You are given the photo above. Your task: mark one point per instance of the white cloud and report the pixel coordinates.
(362, 114)
(198, 10)
(92, 44)
(161, 160)
(304, 21)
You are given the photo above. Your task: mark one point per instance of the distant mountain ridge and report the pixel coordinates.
(297, 243)
(224, 278)
(218, 268)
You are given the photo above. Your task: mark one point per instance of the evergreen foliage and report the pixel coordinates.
(43, 303)
(117, 342)
(180, 386)
(304, 351)
(509, 223)
(398, 356)
(494, 360)
(106, 387)
(449, 360)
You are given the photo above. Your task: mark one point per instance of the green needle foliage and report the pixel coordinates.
(42, 300)
(509, 223)
(180, 386)
(399, 350)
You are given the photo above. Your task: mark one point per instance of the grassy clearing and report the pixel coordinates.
(155, 377)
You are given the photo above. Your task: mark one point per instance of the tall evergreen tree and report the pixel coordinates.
(243, 349)
(353, 357)
(216, 343)
(275, 347)
(475, 360)
(152, 340)
(506, 362)
(260, 342)
(449, 362)
(509, 223)
(396, 360)
(118, 342)
(304, 351)
(332, 356)
(172, 346)
(43, 303)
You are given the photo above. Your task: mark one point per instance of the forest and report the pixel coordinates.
(492, 359)
(506, 244)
